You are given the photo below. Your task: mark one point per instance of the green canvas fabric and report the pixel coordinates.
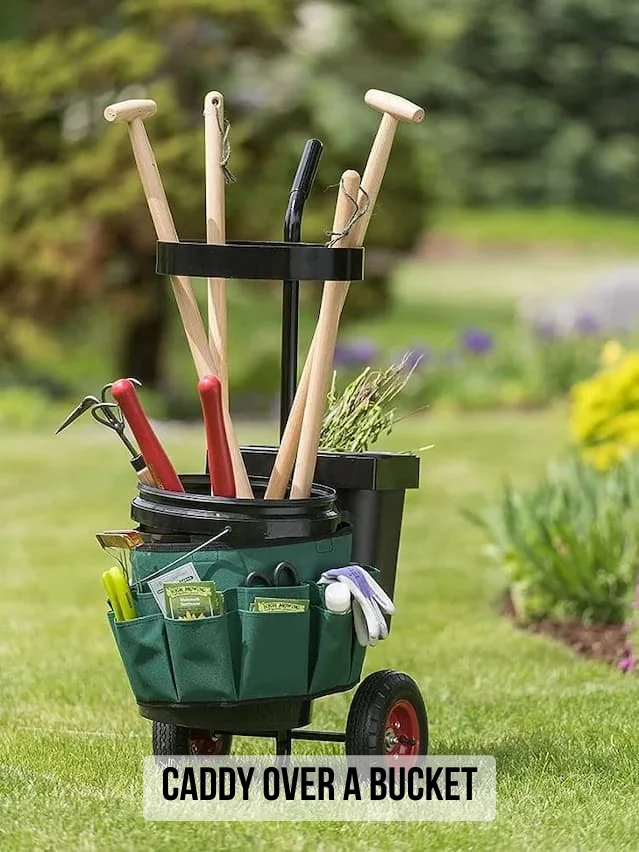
(144, 651)
(145, 603)
(245, 595)
(202, 657)
(357, 662)
(229, 567)
(274, 646)
(331, 642)
(274, 654)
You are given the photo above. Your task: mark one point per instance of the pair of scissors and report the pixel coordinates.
(284, 574)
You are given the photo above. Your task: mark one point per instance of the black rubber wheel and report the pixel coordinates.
(387, 717)
(171, 739)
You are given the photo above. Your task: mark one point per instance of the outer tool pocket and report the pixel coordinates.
(331, 649)
(145, 655)
(274, 644)
(202, 656)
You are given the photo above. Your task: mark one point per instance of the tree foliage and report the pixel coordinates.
(75, 230)
(536, 102)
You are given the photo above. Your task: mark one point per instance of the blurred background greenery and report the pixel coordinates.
(530, 139)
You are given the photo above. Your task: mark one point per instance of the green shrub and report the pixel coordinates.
(23, 408)
(534, 103)
(569, 546)
(518, 372)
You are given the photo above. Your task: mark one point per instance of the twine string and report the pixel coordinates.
(225, 130)
(336, 236)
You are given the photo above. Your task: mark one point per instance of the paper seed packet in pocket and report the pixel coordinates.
(187, 601)
(278, 605)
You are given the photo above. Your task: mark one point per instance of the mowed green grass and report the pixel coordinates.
(564, 732)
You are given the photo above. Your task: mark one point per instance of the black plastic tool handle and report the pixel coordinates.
(300, 190)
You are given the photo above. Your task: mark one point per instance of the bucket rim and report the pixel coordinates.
(320, 494)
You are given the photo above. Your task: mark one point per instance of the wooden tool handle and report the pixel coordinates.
(395, 108)
(215, 221)
(157, 461)
(132, 112)
(394, 105)
(143, 473)
(216, 287)
(145, 476)
(322, 363)
(219, 457)
(205, 360)
(128, 110)
(285, 458)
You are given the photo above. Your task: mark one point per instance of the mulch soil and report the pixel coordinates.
(604, 642)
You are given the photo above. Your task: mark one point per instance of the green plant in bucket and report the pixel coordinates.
(363, 412)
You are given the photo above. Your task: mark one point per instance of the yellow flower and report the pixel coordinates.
(605, 408)
(611, 353)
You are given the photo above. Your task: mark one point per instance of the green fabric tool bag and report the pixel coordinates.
(144, 652)
(336, 657)
(243, 654)
(229, 567)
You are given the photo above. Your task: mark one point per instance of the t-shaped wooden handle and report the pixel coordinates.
(394, 105)
(128, 110)
(395, 108)
(132, 112)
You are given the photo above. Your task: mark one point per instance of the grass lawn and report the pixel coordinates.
(563, 731)
(587, 231)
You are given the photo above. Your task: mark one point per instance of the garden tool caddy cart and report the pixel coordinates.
(251, 672)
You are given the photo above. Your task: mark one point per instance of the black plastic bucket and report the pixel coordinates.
(370, 488)
(252, 522)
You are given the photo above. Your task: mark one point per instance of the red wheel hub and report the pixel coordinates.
(401, 731)
(204, 742)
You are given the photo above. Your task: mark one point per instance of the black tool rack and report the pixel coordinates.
(387, 714)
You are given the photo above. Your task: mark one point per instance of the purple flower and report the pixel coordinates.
(586, 324)
(476, 341)
(356, 353)
(416, 358)
(627, 663)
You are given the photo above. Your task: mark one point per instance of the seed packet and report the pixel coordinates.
(278, 605)
(186, 601)
(182, 574)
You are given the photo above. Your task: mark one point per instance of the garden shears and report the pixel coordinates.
(284, 574)
(109, 414)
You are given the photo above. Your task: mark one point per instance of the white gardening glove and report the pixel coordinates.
(369, 601)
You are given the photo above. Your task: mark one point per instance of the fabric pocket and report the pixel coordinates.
(145, 655)
(357, 662)
(245, 596)
(274, 654)
(145, 604)
(331, 641)
(202, 656)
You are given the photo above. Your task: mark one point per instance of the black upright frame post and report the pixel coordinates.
(300, 190)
